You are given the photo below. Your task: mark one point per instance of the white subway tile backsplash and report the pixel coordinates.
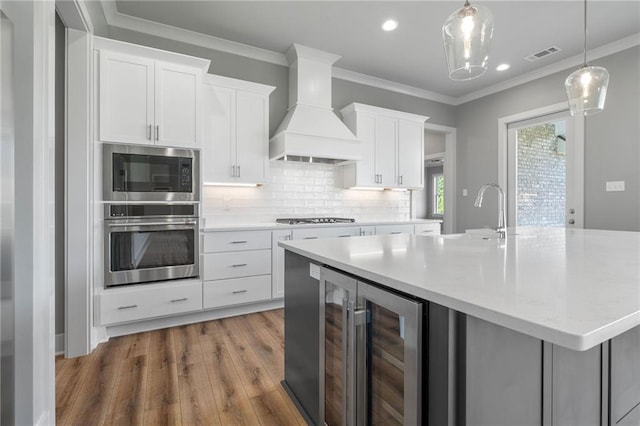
(297, 189)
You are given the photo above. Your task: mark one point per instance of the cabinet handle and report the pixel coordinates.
(157, 132)
(427, 231)
(238, 242)
(233, 171)
(344, 236)
(238, 291)
(396, 232)
(400, 179)
(149, 131)
(310, 238)
(238, 265)
(238, 171)
(121, 308)
(184, 299)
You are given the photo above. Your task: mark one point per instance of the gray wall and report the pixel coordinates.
(611, 145)
(242, 68)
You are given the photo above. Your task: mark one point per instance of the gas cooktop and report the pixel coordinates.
(314, 220)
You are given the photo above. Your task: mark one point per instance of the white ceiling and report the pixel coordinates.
(413, 54)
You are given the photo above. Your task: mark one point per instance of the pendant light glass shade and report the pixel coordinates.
(467, 37)
(587, 87)
(587, 90)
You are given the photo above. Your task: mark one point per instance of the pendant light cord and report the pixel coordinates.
(585, 33)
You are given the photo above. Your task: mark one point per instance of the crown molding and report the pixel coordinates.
(574, 61)
(75, 15)
(120, 20)
(368, 80)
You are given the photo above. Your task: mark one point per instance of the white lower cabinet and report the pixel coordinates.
(236, 268)
(236, 291)
(315, 233)
(219, 266)
(277, 263)
(394, 229)
(120, 305)
(427, 229)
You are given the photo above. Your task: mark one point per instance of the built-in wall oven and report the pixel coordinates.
(148, 173)
(150, 242)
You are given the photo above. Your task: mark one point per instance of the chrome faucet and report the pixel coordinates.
(502, 207)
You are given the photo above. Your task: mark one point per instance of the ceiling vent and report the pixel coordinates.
(543, 53)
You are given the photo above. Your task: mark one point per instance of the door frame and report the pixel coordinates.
(79, 335)
(578, 169)
(450, 187)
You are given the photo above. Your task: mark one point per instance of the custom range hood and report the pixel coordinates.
(310, 131)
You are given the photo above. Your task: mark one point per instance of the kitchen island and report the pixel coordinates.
(540, 328)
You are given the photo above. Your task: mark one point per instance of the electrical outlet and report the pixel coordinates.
(615, 186)
(464, 192)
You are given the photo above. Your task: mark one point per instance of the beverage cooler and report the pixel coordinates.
(371, 359)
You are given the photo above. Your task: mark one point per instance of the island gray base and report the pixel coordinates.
(480, 373)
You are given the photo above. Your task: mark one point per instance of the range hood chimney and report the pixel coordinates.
(310, 131)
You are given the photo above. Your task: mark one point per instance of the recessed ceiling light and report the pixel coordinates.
(390, 25)
(503, 67)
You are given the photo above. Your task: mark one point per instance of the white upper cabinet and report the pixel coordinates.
(410, 150)
(126, 98)
(177, 99)
(148, 96)
(393, 149)
(235, 147)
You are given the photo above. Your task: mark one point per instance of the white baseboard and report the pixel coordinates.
(60, 344)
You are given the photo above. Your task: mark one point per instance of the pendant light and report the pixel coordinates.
(467, 37)
(587, 86)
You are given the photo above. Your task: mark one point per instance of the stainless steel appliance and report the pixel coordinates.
(370, 354)
(141, 173)
(313, 220)
(150, 242)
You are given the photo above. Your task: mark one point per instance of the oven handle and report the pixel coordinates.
(131, 224)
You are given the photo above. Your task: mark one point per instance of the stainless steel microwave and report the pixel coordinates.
(148, 173)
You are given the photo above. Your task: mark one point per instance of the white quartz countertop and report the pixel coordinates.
(572, 287)
(272, 225)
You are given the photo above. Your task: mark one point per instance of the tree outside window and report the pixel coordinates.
(438, 194)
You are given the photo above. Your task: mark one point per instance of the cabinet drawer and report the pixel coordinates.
(218, 266)
(428, 229)
(394, 229)
(314, 233)
(236, 291)
(148, 301)
(215, 242)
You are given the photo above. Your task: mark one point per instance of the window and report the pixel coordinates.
(437, 200)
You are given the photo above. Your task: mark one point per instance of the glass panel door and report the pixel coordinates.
(132, 250)
(335, 353)
(387, 366)
(393, 383)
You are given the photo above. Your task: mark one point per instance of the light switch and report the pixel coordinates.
(615, 186)
(464, 192)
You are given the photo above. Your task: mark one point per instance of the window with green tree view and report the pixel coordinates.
(438, 194)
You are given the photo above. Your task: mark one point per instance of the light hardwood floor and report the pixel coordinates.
(222, 372)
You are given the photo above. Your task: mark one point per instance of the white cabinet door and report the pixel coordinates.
(126, 88)
(365, 168)
(410, 154)
(252, 141)
(386, 134)
(177, 96)
(277, 265)
(218, 157)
